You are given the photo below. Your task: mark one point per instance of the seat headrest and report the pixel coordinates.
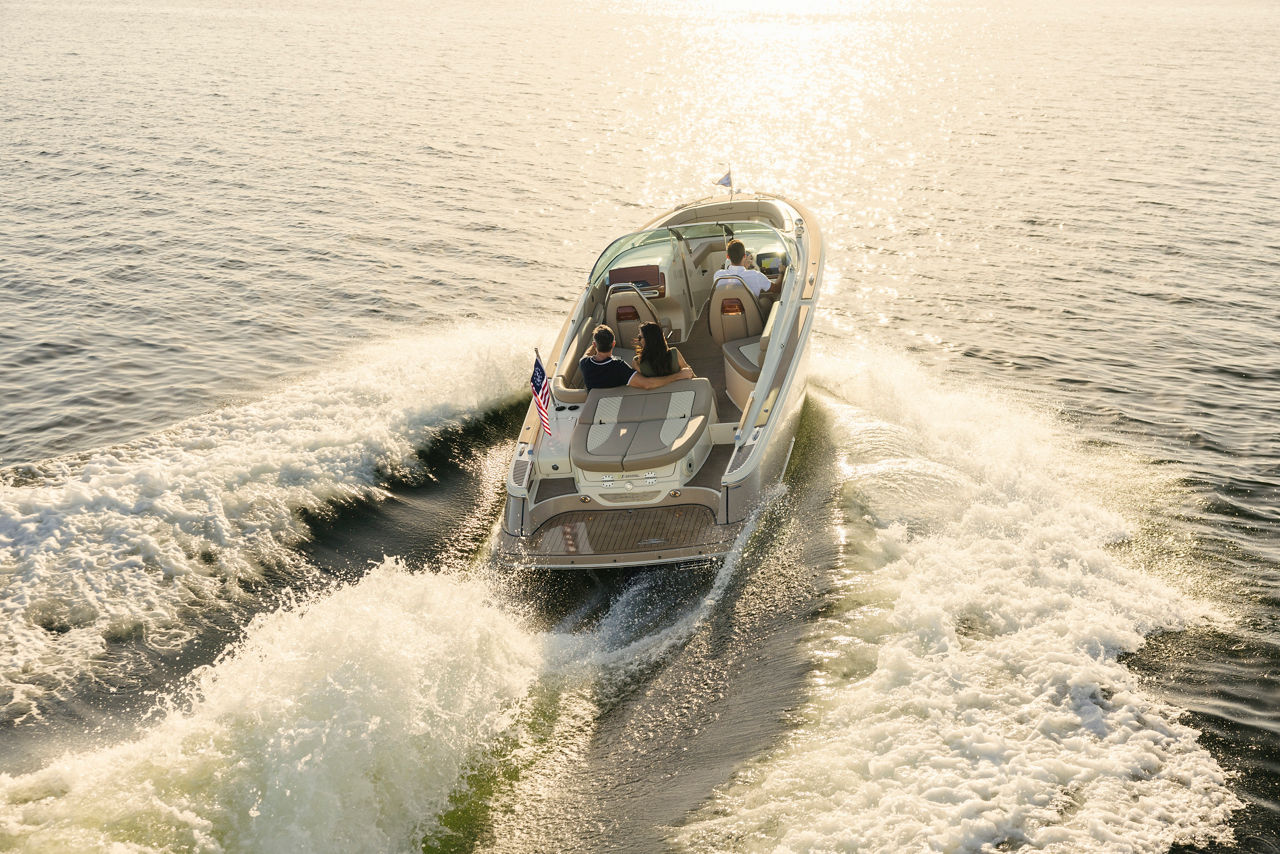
(734, 312)
(625, 310)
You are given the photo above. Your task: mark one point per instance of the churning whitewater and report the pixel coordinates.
(342, 725)
(967, 693)
(966, 689)
(1020, 590)
(141, 544)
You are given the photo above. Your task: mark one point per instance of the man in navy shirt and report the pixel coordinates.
(601, 369)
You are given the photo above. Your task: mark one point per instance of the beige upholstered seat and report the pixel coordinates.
(734, 312)
(744, 356)
(565, 393)
(625, 310)
(737, 325)
(566, 385)
(628, 429)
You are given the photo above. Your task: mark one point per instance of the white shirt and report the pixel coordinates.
(756, 281)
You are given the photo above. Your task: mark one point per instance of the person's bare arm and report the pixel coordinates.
(639, 381)
(775, 288)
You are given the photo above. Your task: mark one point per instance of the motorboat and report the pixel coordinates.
(626, 477)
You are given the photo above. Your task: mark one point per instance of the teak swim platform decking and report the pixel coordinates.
(633, 477)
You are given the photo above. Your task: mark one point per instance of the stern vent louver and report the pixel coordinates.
(520, 472)
(630, 497)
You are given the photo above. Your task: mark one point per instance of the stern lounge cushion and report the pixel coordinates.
(629, 429)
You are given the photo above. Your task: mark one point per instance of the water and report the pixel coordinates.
(270, 279)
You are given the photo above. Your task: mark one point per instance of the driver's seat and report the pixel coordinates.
(734, 312)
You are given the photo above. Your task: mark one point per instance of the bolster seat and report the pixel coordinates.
(744, 356)
(740, 317)
(629, 429)
(626, 310)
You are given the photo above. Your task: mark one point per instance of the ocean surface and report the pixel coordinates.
(271, 276)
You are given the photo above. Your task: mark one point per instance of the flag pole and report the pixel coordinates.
(544, 388)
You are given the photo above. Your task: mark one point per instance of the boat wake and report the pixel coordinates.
(341, 725)
(968, 691)
(967, 688)
(355, 721)
(647, 620)
(125, 553)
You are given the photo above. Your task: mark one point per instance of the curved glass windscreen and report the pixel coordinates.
(662, 240)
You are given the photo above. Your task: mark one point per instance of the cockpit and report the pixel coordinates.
(673, 268)
(668, 276)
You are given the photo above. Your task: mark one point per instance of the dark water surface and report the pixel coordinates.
(269, 280)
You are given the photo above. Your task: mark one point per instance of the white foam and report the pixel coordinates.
(116, 544)
(967, 692)
(340, 726)
(625, 641)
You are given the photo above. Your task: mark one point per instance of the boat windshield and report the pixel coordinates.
(652, 239)
(696, 231)
(728, 230)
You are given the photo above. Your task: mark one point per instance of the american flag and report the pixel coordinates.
(541, 392)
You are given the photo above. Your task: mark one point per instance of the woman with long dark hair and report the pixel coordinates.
(653, 357)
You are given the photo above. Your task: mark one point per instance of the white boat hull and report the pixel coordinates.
(568, 507)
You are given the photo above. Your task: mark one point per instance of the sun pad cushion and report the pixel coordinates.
(629, 429)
